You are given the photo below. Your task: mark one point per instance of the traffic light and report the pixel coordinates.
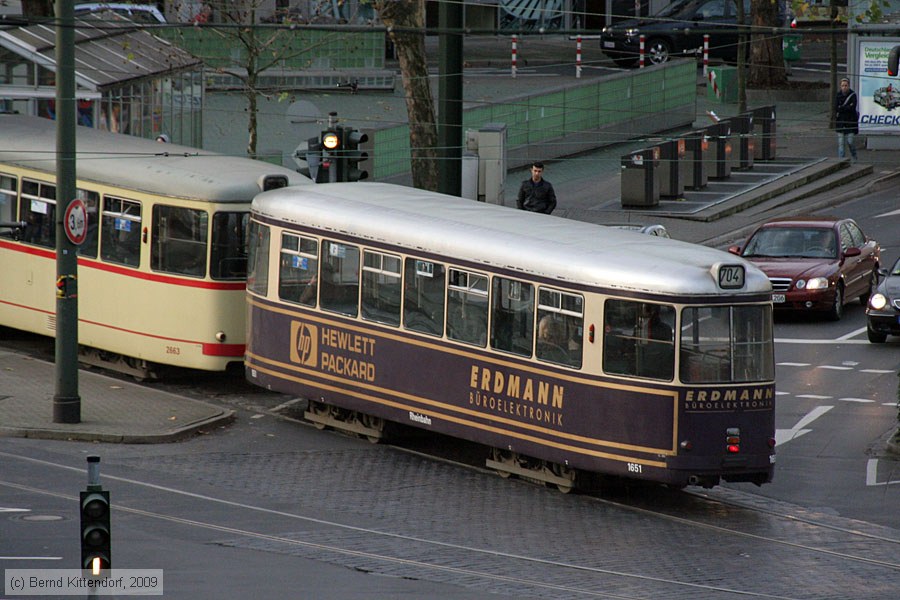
(96, 550)
(331, 149)
(351, 155)
(893, 59)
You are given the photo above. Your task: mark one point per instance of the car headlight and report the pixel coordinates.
(878, 301)
(632, 32)
(816, 283)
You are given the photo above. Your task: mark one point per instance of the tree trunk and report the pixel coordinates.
(406, 22)
(37, 8)
(766, 55)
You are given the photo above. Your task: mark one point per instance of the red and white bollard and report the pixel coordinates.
(514, 40)
(578, 57)
(705, 54)
(643, 40)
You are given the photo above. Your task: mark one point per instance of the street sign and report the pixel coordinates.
(76, 221)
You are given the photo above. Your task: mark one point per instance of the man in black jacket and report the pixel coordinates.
(536, 194)
(846, 118)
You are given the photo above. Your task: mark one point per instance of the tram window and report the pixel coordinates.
(88, 247)
(727, 344)
(178, 244)
(258, 259)
(512, 316)
(120, 231)
(560, 327)
(229, 245)
(339, 279)
(7, 203)
(638, 339)
(381, 287)
(37, 208)
(423, 299)
(467, 307)
(297, 275)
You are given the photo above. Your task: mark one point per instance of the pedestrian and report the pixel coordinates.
(536, 193)
(846, 118)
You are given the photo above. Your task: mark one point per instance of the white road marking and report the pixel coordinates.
(786, 435)
(3, 510)
(876, 371)
(284, 405)
(872, 474)
(835, 368)
(852, 334)
(814, 396)
(862, 400)
(893, 213)
(790, 364)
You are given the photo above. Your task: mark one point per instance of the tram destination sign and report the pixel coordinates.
(75, 221)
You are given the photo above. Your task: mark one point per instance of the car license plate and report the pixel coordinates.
(778, 298)
(609, 44)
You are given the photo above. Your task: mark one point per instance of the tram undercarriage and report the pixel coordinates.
(139, 369)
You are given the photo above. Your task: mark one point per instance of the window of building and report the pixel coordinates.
(467, 307)
(423, 299)
(512, 316)
(560, 327)
(339, 279)
(298, 270)
(381, 285)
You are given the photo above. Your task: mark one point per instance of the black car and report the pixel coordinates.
(677, 30)
(883, 310)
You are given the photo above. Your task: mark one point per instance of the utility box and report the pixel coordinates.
(719, 158)
(790, 46)
(722, 84)
(693, 167)
(489, 143)
(640, 178)
(742, 128)
(671, 155)
(764, 133)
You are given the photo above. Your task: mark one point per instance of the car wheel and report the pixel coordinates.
(873, 283)
(837, 305)
(658, 51)
(875, 337)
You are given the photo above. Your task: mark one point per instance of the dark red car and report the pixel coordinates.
(814, 263)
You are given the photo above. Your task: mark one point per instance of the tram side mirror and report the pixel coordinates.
(735, 250)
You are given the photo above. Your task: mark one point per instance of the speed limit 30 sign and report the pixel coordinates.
(76, 221)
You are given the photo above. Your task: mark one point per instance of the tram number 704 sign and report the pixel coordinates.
(76, 221)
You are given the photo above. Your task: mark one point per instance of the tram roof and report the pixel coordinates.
(138, 164)
(537, 244)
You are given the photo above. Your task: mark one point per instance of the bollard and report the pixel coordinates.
(514, 40)
(578, 57)
(671, 155)
(640, 178)
(764, 133)
(693, 167)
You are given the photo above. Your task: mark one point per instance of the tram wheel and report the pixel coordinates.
(564, 472)
(372, 422)
(320, 409)
(502, 457)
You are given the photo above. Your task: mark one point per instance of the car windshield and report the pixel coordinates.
(675, 8)
(785, 242)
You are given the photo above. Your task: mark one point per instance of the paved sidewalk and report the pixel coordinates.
(112, 410)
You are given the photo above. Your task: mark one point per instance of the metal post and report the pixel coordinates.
(642, 41)
(514, 52)
(66, 401)
(578, 57)
(450, 97)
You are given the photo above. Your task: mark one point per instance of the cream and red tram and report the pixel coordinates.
(564, 347)
(162, 271)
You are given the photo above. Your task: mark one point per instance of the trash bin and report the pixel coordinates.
(790, 46)
(764, 133)
(742, 129)
(693, 167)
(671, 155)
(722, 84)
(719, 158)
(640, 178)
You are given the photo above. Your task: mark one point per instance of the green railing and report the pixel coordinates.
(567, 119)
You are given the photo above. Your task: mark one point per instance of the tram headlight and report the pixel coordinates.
(220, 336)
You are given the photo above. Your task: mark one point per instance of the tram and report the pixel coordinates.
(162, 271)
(570, 351)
